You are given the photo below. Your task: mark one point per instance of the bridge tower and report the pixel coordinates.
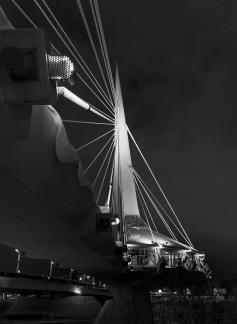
(124, 197)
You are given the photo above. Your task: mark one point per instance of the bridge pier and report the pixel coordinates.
(131, 304)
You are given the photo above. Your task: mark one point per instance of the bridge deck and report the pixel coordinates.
(32, 284)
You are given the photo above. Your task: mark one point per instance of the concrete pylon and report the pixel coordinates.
(130, 305)
(124, 191)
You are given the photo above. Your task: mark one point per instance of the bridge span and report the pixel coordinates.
(38, 285)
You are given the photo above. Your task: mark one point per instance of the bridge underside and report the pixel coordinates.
(47, 208)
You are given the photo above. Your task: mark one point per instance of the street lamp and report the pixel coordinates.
(70, 275)
(93, 282)
(19, 255)
(51, 269)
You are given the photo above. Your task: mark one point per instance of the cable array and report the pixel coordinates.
(107, 98)
(106, 169)
(57, 51)
(156, 209)
(145, 209)
(155, 201)
(94, 140)
(93, 47)
(101, 38)
(74, 52)
(184, 234)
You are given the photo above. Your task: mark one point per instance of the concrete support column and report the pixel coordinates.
(131, 305)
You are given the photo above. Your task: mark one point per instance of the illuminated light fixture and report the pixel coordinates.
(115, 221)
(51, 269)
(18, 261)
(77, 290)
(70, 275)
(60, 67)
(19, 255)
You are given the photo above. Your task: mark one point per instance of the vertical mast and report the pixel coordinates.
(124, 191)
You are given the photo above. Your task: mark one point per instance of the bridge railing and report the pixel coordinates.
(140, 259)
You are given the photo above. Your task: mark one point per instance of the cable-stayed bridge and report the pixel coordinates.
(85, 206)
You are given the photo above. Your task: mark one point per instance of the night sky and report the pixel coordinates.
(178, 68)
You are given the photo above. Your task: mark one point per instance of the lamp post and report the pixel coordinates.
(51, 269)
(19, 255)
(93, 282)
(70, 274)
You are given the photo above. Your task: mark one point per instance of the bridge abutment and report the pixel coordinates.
(131, 304)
